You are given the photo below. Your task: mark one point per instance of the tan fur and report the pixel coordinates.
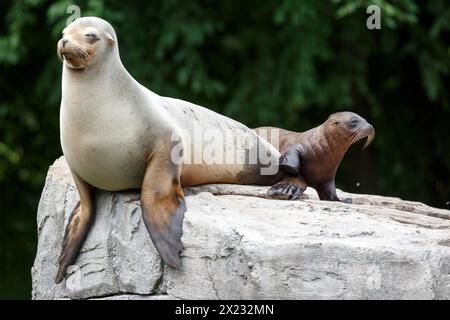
(116, 135)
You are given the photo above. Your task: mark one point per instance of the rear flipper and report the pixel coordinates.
(288, 188)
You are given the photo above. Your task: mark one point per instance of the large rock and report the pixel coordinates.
(243, 247)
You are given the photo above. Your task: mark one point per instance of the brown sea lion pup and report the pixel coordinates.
(315, 155)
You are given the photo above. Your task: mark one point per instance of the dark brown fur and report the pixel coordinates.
(321, 149)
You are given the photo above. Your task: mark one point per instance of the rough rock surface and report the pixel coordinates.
(243, 247)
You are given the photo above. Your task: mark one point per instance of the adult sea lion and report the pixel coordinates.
(117, 135)
(315, 155)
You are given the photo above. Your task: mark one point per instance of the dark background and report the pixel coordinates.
(287, 63)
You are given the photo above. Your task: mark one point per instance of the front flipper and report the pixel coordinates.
(77, 228)
(163, 207)
(327, 192)
(292, 185)
(288, 188)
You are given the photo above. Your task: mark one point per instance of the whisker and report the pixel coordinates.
(368, 133)
(354, 137)
(370, 137)
(75, 52)
(58, 53)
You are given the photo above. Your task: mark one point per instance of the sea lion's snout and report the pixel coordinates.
(73, 54)
(360, 129)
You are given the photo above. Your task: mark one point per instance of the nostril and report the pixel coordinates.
(64, 41)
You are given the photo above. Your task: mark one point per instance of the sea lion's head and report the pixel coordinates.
(348, 128)
(85, 41)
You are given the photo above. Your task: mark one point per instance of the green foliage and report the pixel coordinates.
(287, 63)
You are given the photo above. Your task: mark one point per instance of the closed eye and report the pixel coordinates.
(92, 36)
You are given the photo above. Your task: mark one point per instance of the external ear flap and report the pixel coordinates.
(110, 38)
